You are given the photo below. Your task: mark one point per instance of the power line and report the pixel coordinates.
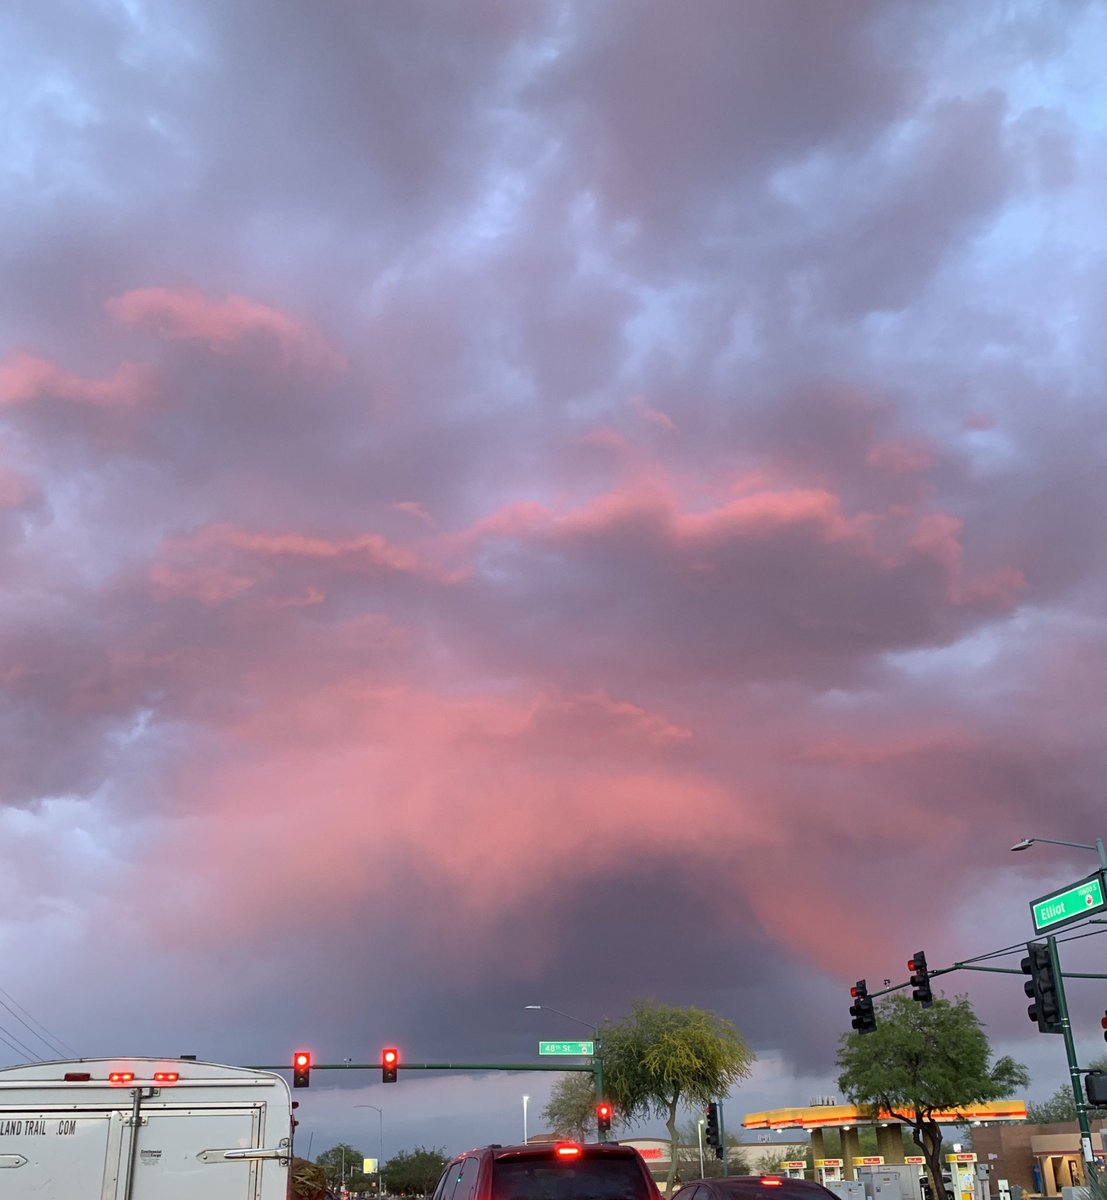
(51, 1041)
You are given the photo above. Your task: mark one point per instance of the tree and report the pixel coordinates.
(661, 1055)
(571, 1111)
(920, 1061)
(1061, 1106)
(342, 1165)
(688, 1156)
(414, 1171)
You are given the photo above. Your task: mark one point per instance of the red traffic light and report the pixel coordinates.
(390, 1061)
(603, 1116)
(301, 1069)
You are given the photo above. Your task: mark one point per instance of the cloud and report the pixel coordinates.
(187, 315)
(28, 378)
(541, 503)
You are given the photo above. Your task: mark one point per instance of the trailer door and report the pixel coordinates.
(183, 1153)
(54, 1157)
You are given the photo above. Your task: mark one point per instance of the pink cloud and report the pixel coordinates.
(16, 489)
(26, 378)
(642, 408)
(223, 562)
(187, 315)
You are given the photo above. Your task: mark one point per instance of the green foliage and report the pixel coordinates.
(920, 1061)
(343, 1162)
(1061, 1106)
(414, 1171)
(571, 1111)
(772, 1164)
(662, 1055)
(688, 1156)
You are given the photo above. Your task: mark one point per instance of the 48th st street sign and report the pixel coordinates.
(1073, 903)
(566, 1047)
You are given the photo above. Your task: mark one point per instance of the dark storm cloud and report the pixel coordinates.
(548, 472)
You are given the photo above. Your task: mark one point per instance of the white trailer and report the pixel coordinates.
(143, 1129)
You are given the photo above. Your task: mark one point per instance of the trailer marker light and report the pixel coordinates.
(77, 1077)
(166, 1076)
(121, 1077)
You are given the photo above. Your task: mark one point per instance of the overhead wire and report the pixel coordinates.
(53, 1043)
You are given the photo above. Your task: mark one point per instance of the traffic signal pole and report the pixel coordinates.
(1070, 1054)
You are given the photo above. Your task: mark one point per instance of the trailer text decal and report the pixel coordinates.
(31, 1126)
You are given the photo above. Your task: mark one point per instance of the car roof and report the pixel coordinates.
(750, 1183)
(544, 1149)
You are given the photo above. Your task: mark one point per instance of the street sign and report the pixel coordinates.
(566, 1047)
(1073, 903)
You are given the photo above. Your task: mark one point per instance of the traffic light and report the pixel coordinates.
(711, 1129)
(603, 1117)
(301, 1069)
(1095, 1088)
(390, 1061)
(1103, 1022)
(861, 1010)
(1041, 987)
(920, 979)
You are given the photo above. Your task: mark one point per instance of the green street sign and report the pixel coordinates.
(566, 1047)
(1073, 903)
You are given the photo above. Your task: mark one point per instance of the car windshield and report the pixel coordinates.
(606, 1178)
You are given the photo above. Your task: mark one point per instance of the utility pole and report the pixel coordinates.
(1070, 1054)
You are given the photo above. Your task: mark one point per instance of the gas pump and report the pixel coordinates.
(794, 1168)
(828, 1170)
(962, 1169)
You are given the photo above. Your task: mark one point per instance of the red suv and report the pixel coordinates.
(548, 1171)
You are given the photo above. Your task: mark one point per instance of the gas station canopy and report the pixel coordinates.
(837, 1116)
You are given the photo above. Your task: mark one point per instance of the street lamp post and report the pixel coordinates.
(1026, 843)
(1063, 1008)
(380, 1160)
(699, 1130)
(597, 1062)
(526, 1101)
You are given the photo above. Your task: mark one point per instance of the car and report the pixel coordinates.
(563, 1170)
(947, 1183)
(753, 1187)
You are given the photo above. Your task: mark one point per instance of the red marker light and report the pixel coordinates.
(771, 1181)
(121, 1077)
(166, 1076)
(77, 1077)
(568, 1150)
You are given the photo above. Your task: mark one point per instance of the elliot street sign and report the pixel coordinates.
(566, 1047)
(1073, 903)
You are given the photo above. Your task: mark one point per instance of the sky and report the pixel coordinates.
(543, 502)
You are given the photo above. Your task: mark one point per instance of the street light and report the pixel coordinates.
(380, 1160)
(1063, 1015)
(526, 1101)
(699, 1130)
(1026, 843)
(567, 1016)
(597, 1064)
